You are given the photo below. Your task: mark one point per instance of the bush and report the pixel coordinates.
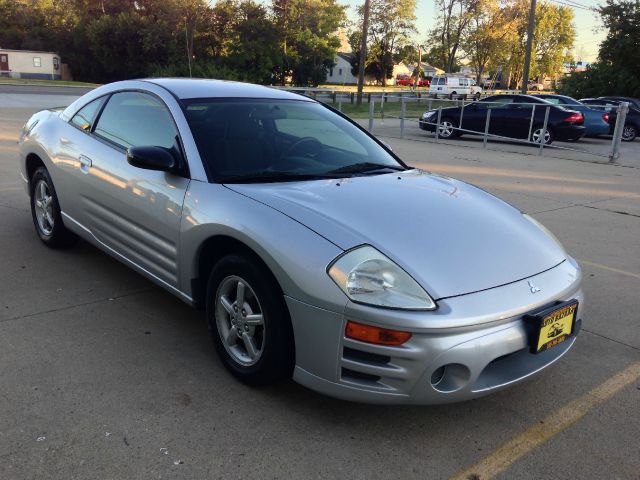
(198, 70)
(599, 80)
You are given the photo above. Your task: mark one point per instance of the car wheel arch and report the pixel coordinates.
(210, 251)
(32, 163)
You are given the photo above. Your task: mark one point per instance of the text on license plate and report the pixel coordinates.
(556, 326)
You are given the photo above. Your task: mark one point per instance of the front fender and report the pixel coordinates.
(297, 256)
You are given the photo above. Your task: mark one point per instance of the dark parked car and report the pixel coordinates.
(595, 122)
(635, 102)
(510, 117)
(631, 123)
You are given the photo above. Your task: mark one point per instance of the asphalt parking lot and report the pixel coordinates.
(104, 375)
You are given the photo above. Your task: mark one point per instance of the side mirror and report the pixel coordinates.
(151, 158)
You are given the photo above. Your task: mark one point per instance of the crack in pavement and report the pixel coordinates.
(612, 211)
(68, 307)
(610, 339)
(14, 208)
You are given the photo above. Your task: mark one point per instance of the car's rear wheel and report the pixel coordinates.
(447, 129)
(45, 211)
(452, 95)
(248, 320)
(629, 133)
(540, 135)
(477, 96)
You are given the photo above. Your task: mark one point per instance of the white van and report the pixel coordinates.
(453, 86)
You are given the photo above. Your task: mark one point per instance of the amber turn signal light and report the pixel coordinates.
(377, 335)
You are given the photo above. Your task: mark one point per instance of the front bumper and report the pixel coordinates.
(480, 338)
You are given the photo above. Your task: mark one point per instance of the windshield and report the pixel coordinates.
(255, 140)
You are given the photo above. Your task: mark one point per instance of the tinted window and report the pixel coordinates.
(498, 102)
(133, 119)
(260, 137)
(85, 116)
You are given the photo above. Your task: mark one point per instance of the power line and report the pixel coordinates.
(569, 3)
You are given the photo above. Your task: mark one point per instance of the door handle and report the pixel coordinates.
(85, 163)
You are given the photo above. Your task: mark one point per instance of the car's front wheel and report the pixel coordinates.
(45, 211)
(447, 129)
(629, 133)
(248, 320)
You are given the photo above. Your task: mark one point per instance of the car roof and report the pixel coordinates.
(186, 88)
(512, 95)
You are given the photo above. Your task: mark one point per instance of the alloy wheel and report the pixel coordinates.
(446, 129)
(239, 320)
(43, 202)
(541, 135)
(628, 133)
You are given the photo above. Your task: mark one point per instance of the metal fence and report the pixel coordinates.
(386, 105)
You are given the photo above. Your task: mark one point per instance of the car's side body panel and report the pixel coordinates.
(212, 210)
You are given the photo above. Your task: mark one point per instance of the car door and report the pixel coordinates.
(499, 106)
(74, 142)
(517, 118)
(135, 212)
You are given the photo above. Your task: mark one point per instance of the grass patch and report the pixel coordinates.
(60, 83)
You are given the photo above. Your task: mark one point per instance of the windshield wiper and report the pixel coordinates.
(274, 176)
(365, 167)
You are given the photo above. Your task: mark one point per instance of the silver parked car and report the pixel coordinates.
(315, 252)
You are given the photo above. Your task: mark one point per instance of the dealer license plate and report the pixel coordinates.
(552, 325)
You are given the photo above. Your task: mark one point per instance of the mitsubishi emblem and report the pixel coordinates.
(533, 288)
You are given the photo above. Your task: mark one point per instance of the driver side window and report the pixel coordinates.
(133, 119)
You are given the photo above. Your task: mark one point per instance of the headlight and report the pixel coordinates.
(545, 230)
(367, 276)
(427, 115)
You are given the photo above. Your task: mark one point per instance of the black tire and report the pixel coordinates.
(551, 138)
(629, 133)
(477, 96)
(276, 341)
(54, 235)
(451, 95)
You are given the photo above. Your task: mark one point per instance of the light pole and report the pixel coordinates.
(527, 54)
(363, 51)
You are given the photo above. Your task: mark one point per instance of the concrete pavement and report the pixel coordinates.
(104, 375)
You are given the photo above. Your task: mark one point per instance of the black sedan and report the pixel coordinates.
(510, 117)
(609, 105)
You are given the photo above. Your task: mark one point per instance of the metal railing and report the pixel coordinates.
(378, 107)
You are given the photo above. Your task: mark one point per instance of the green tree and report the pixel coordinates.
(308, 38)
(487, 39)
(618, 67)
(254, 50)
(454, 17)
(390, 24)
(553, 39)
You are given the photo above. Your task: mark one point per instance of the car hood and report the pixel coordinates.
(452, 237)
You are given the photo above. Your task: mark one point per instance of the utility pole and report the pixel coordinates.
(363, 50)
(189, 47)
(527, 56)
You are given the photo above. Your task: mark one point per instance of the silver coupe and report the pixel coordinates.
(314, 250)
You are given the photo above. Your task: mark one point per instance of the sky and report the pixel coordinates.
(587, 23)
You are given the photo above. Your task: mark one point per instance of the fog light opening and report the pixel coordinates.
(436, 376)
(450, 378)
